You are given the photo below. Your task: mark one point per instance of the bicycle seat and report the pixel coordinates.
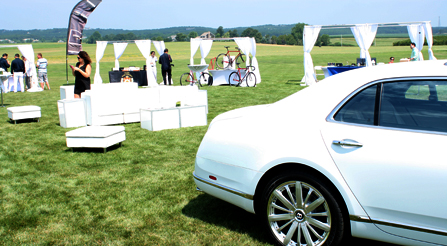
(226, 47)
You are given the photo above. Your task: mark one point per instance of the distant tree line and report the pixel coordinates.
(437, 40)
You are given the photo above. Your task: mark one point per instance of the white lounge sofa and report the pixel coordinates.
(117, 103)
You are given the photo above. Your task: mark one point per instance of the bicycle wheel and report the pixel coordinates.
(234, 79)
(186, 79)
(250, 79)
(241, 61)
(221, 63)
(206, 79)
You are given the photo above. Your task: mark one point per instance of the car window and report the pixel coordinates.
(360, 108)
(419, 105)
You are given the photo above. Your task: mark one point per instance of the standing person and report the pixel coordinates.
(28, 72)
(153, 64)
(165, 61)
(42, 64)
(82, 73)
(18, 69)
(4, 63)
(414, 52)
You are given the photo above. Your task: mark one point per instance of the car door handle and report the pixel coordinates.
(347, 143)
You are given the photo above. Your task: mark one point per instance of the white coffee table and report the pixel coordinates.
(24, 112)
(95, 137)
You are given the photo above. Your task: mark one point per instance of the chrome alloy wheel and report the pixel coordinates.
(298, 214)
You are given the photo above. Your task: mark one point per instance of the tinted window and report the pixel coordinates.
(419, 105)
(360, 108)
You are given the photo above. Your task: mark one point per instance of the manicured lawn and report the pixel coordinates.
(142, 193)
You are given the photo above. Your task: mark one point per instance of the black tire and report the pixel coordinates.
(250, 79)
(205, 78)
(234, 77)
(241, 61)
(186, 79)
(286, 217)
(220, 61)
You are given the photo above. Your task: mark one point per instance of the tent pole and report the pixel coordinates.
(66, 66)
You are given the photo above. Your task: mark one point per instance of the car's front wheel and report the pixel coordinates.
(299, 209)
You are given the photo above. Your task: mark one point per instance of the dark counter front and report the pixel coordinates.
(139, 77)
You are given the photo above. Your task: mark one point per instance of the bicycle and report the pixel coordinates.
(190, 79)
(249, 77)
(228, 63)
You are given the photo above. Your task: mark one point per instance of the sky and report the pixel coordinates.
(145, 14)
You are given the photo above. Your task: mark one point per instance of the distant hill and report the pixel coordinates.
(56, 34)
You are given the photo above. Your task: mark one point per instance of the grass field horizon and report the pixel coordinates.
(141, 193)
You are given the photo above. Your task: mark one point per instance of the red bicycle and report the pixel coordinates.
(237, 79)
(224, 61)
(190, 79)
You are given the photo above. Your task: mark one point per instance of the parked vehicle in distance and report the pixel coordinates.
(361, 153)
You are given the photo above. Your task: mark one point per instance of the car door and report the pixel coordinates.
(389, 141)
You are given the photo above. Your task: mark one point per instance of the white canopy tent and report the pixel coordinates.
(364, 35)
(246, 44)
(119, 46)
(28, 52)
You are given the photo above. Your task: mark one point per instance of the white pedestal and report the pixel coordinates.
(193, 116)
(95, 137)
(160, 119)
(72, 112)
(24, 112)
(67, 92)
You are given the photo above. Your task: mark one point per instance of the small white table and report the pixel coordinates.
(95, 137)
(24, 112)
(171, 118)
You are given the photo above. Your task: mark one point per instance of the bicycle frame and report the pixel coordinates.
(229, 57)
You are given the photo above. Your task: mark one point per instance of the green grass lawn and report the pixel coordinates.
(141, 193)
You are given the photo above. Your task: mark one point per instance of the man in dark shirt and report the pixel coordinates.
(18, 69)
(165, 61)
(4, 63)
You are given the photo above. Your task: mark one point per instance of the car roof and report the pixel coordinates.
(325, 95)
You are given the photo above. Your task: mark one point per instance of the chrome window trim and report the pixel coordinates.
(223, 187)
(364, 219)
(330, 117)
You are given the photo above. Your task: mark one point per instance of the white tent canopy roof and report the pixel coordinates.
(364, 35)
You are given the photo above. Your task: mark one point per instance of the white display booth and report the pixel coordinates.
(119, 46)
(247, 46)
(364, 35)
(28, 52)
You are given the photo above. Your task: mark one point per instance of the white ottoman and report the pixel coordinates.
(160, 119)
(95, 137)
(24, 112)
(72, 112)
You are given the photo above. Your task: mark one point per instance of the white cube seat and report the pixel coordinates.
(24, 112)
(95, 137)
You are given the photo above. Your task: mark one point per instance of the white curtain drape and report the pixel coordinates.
(145, 48)
(205, 48)
(429, 37)
(195, 43)
(159, 46)
(364, 35)
(119, 50)
(100, 48)
(245, 45)
(310, 36)
(254, 61)
(28, 52)
(417, 35)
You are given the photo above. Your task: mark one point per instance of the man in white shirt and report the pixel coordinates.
(42, 64)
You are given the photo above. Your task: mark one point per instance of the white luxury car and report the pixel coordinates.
(361, 153)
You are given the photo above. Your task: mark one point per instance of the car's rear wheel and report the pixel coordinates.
(299, 209)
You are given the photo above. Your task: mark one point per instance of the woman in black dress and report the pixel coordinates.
(82, 73)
